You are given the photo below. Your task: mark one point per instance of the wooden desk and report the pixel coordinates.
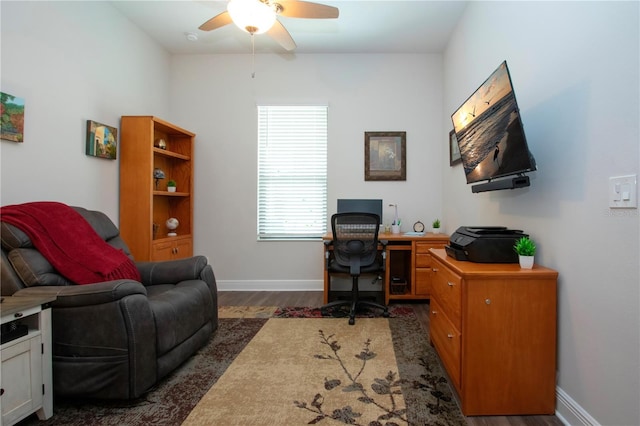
(408, 258)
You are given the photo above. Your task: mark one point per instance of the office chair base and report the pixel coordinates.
(354, 308)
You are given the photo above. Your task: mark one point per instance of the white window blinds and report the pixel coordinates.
(292, 172)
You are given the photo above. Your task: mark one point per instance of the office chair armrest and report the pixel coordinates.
(327, 253)
(384, 243)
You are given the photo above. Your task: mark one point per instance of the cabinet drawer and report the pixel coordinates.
(423, 281)
(447, 340)
(423, 247)
(423, 260)
(447, 288)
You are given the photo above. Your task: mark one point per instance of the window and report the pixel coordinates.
(292, 172)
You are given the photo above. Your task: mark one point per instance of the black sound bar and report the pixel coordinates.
(495, 185)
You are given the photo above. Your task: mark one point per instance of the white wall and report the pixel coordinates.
(72, 62)
(575, 71)
(215, 97)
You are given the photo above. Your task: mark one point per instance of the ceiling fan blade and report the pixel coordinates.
(305, 9)
(280, 34)
(217, 21)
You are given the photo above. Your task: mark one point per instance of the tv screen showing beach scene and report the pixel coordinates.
(489, 131)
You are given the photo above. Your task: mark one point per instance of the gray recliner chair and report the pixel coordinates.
(115, 339)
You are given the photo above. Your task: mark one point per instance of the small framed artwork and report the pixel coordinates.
(12, 118)
(385, 156)
(454, 149)
(102, 140)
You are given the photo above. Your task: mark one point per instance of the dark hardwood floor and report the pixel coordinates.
(314, 299)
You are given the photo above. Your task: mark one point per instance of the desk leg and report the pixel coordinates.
(387, 279)
(326, 286)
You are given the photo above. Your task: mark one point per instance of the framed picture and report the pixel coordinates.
(12, 118)
(454, 149)
(385, 156)
(102, 140)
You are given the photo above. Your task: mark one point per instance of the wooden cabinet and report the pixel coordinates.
(494, 328)
(409, 260)
(26, 375)
(145, 202)
(172, 248)
(423, 265)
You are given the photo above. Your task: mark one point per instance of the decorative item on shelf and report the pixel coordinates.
(526, 250)
(436, 226)
(157, 175)
(160, 143)
(171, 185)
(172, 225)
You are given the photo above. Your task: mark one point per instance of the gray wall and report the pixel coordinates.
(575, 71)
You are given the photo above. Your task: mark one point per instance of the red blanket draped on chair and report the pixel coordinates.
(69, 242)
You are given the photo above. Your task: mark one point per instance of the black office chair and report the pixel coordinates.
(355, 252)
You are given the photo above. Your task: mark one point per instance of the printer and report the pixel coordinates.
(484, 244)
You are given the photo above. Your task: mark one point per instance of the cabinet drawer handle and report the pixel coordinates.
(434, 312)
(450, 336)
(435, 269)
(450, 284)
(18, 315)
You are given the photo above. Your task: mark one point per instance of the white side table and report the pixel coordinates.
(26, 375)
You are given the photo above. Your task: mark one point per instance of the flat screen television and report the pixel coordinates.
(490, 133)
(358, 205)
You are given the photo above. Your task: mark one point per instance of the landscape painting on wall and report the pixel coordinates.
(12, 118)
(102, 140)
(385, 156)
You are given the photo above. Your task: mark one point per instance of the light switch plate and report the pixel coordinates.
(623, 192)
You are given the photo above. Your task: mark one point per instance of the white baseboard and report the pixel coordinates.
(569, 412)
(270, 285)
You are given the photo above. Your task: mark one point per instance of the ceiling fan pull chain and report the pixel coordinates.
(253, 56)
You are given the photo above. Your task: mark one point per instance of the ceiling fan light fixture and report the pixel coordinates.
(252, 16)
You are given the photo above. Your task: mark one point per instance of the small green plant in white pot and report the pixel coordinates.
(171, 186)
(435, 225)
(526, 250)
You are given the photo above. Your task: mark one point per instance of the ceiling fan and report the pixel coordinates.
(259, 16)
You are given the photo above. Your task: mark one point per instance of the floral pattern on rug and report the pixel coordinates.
(425, 390)
(384, 393)
(339, 312)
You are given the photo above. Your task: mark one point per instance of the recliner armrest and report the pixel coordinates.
(171, 271)
(86, 295)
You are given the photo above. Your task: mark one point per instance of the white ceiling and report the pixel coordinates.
(364, 26)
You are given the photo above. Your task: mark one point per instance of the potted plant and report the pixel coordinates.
(436, 226)
(171, 185)
(526, 250)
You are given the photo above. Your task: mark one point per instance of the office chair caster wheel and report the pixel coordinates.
(385, 314)
(352, 321)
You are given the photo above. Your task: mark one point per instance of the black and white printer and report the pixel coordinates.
(484, 244)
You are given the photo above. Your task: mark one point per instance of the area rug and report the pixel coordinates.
(411, 390)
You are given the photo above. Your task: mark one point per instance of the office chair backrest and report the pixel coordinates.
(355, 239)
